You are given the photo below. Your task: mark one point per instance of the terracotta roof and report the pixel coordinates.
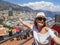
(2, 31)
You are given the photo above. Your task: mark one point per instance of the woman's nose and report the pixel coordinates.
(42, 20)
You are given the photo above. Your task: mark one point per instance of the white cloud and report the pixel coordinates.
(43, 5)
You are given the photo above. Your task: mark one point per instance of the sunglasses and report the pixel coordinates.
(40, 18)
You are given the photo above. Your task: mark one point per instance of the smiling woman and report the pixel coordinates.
(42, 33)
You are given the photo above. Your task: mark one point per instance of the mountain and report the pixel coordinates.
(7, 5)
(48, 13)
(27, 9)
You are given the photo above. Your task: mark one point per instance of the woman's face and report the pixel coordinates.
(40, 21)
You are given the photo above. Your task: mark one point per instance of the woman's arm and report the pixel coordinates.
(53, 36)
(25, 23)
(56, 39)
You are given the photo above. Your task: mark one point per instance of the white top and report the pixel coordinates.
(42, 38)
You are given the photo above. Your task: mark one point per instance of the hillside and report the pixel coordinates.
(6, 5)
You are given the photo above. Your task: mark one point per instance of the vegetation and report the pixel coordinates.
(1, 21)
(8, 26)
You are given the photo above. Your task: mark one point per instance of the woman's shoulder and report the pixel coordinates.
(47, 28)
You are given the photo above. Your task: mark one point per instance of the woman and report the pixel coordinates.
(42, 33)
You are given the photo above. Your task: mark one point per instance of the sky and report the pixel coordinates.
(51, 5)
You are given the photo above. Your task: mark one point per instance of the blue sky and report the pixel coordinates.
(53, 5)
(57, 2)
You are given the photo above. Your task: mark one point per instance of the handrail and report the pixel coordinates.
(9, 38)
(26, 41)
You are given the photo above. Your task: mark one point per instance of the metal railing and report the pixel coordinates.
(26, 41)
(8, 38)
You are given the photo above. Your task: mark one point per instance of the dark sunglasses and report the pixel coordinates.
(40, 18)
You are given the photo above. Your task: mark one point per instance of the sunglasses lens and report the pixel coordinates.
(44, 19)
(39, 18)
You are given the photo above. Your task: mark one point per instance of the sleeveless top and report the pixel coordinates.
(41, 38)
(17, 28)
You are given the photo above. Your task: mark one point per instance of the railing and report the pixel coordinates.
(26, 41)
(8, 38)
